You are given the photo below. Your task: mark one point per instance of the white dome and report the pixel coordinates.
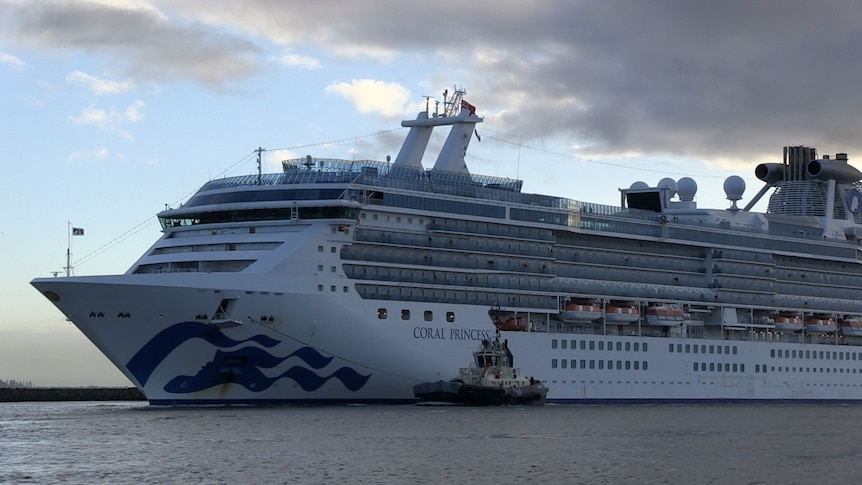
(687, 188)
(639, 186)
(668, 183)
(734, 187)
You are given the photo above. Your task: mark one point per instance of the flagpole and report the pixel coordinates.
(69, 248)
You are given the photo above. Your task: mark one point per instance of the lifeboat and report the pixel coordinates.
(788, 322)
(508, 321)
(621, 313)
(851, 326)
(665, 315)
(820, 324)
(581, 312)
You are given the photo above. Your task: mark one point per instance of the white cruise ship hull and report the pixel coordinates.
(329, 351)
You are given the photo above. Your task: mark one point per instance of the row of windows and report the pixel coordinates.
(428, 315)
(814, 354)
(600, 364)
(702, 348)
(584, 344)
(821, 370)
(717, 367)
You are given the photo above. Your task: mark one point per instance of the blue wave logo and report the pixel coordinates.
(241, 366)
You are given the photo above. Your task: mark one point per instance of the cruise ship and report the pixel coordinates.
(349, 281)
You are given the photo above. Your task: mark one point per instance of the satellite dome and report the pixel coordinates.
(668, 183)
(687, 188)
(734, 187)
(639, 186)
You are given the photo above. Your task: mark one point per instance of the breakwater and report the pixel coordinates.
(22, 394)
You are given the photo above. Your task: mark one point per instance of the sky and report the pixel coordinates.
(110, 110)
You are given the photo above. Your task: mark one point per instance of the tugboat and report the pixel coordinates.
(490, 380)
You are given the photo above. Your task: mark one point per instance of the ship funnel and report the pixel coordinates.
(770, 173)
(838, 170)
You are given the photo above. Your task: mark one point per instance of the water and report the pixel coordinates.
(135, 443)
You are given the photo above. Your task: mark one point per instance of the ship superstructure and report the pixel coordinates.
(352, 281)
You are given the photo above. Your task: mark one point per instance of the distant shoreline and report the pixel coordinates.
(24, 394)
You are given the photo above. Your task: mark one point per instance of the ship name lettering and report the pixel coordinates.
(468, 334)
(429, 333)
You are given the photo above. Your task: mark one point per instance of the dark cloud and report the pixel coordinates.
(150, 46)
(730, 79)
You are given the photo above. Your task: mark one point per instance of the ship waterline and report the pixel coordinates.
(351, 281)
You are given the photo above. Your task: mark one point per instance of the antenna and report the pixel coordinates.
(259, 174)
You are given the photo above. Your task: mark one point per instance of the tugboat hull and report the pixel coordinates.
(473, 395)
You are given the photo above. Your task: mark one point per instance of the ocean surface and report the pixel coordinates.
(120, 442)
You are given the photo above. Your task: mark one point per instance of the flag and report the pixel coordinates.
(77, 231)
(466, 105)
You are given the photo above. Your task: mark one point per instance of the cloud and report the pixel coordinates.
(302, 62)
(149, 45)
(98, 153)
(110, 120)
(370, 96)
(98, 85)
(12, 62)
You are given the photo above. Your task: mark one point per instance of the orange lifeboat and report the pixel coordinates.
(581, 312)
(788, 322)
(665, 315)
(621, 313)
(851, 326)
(821, 324)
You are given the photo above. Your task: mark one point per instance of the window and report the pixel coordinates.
(563, 343)
(601, 346)
(637, 345)
(319, 287)
(554, 343)
(405, 314)
(428, 316)
(583, 344)
(573, 364)
(670, 348)
(450, 317)
(592, 346)
(645, 346)
(563, 362)
(553, 363)
(381, 313)
(637, 364)
(319, 267)
(696, 367)
(645, 364)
